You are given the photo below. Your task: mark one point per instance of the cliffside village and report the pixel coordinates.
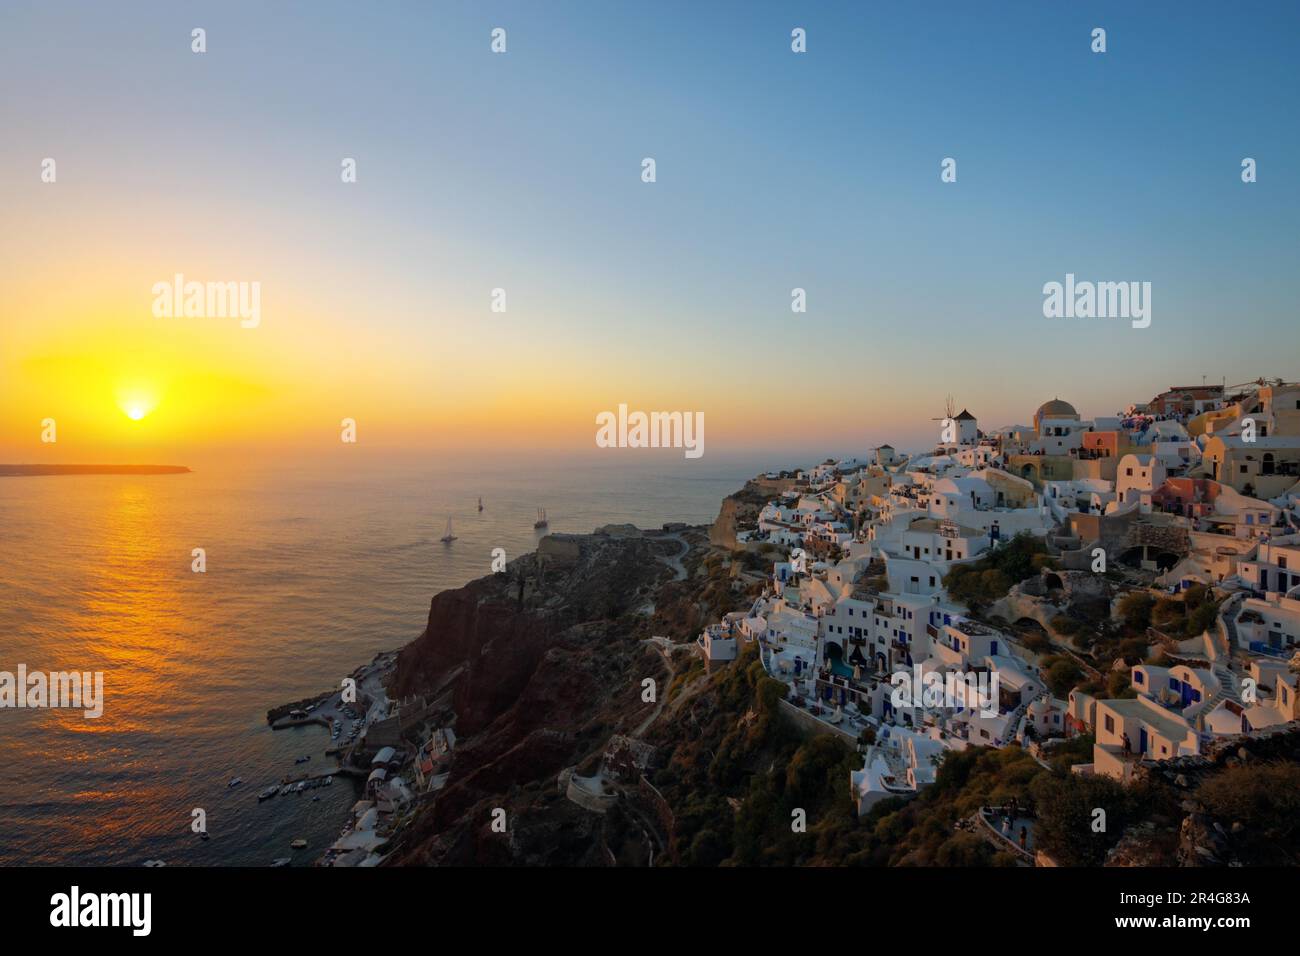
(1198, 486)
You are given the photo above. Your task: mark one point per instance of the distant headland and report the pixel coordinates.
(22, 471)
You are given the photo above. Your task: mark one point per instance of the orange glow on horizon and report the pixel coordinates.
(126, 386)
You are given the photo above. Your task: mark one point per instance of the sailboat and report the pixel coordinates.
(448, 538)
(480, 504)
(541, 519)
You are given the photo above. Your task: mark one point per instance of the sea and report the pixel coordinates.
(310, 572)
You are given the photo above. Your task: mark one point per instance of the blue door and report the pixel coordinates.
(1187, 694)
(1142, 741)
(993, 648)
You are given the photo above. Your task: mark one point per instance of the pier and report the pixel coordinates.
(283, 722)
(322, 774)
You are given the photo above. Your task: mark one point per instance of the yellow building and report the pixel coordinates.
(1263, 468)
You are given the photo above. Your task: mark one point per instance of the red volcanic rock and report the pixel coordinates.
(539, 666)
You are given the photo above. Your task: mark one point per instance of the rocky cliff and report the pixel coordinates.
(536, 668)
(740, 510)
(539, 669)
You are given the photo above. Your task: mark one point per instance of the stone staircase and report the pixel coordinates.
(1227, 686)
(1228, 617)
(1017, 718)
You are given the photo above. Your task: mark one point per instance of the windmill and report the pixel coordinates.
(948, 420)
(949, 410)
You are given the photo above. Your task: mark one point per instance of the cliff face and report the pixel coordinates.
(742, 508)
(723, 531)
(1241, 798)
(540, 667)
(537, 666)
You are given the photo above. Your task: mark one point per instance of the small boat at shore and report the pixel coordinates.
(298, 844)
(448, 538)
(541, 520)
(154, 863)
(302, 759)
(268, 793)
(234, 782)
(282, 861)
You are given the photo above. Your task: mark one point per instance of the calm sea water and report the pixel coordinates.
(309, 574)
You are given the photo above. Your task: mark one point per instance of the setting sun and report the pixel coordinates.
(136, 397)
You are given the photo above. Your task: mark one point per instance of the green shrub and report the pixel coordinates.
(1263, 797)
(1065, 625)
(1065, 804)
(1062, 676)
(1135, 610)
(1035, 641)
(1202, 619)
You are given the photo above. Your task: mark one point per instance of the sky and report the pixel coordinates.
(522, 171)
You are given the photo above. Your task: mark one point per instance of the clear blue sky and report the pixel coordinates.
(774, 170)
